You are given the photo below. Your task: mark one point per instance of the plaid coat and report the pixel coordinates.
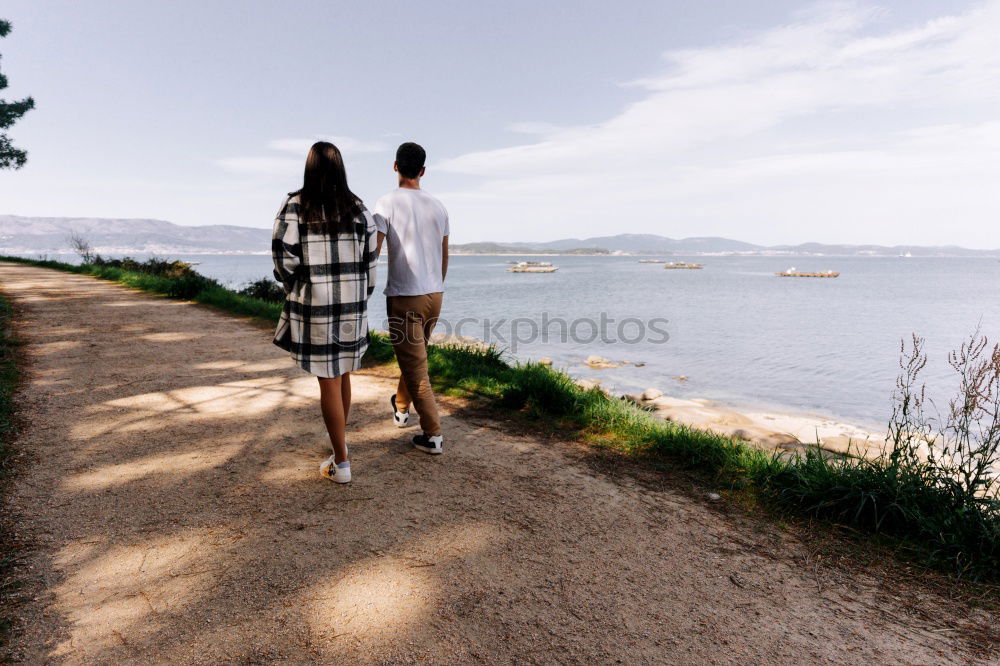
(328, 279)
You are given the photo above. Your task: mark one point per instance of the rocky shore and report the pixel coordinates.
(772, 431)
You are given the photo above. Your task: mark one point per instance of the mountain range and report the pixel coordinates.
(51, 235)
(661, 245)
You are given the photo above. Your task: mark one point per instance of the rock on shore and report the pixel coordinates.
(601, 363)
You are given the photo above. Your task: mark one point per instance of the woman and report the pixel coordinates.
(324, 250)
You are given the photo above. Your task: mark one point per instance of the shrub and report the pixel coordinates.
(152, 266)
(264, 289)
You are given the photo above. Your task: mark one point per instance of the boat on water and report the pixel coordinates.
(791, 272)
(682, 264)
(652, 261)
(532, 267)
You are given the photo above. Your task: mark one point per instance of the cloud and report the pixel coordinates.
(346, 144)
(276, 165)
(831, 127)
(533, 128)
(260, 164)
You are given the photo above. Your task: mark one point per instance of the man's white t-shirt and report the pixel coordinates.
(414, 224)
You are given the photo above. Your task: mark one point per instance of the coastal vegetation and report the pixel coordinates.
(932, 494)
(933, 491)
(175, 279)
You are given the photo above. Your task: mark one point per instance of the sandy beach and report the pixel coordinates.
(771, 430)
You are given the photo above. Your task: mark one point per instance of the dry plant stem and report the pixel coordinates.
(973, 424)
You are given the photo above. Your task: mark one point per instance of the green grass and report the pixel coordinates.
(189, 285)
(894, 497)
(8, 382)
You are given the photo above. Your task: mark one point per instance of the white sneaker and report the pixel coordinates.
(401, 419)
(340, 473)
(433, 444)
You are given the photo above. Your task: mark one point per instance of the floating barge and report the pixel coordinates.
(791, 272)
(532, 267)
(682, 264)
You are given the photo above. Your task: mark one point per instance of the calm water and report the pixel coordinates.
(738, 333)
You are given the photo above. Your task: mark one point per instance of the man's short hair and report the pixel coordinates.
(410, 159)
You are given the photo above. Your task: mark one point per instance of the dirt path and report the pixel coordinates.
(174, 498)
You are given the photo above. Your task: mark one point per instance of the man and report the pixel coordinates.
(415, 226)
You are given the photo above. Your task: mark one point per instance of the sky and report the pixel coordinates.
(771, 122)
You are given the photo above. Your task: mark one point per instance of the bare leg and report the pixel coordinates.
(331, 401)
(345, 395)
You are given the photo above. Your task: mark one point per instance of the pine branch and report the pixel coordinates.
(11, 157)
(12, 111)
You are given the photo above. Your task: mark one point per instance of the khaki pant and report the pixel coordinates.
(411, 320)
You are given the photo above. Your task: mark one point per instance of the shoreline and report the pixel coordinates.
(190, 499)
(720, 255)
(775, 430)
(771, 428)
(780, 477)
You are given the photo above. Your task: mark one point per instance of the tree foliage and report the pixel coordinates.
(10, 112)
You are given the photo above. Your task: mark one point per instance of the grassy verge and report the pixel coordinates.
(182, 283)
(8, 382)
(177, 280)
(897, 496)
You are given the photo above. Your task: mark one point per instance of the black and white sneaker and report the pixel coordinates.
(401, 419)
(433, 444)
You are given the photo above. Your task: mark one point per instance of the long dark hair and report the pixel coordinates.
(325, 200)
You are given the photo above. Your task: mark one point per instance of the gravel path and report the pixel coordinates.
(171, 496)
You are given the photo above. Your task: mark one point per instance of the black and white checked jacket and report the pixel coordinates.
(328, 279)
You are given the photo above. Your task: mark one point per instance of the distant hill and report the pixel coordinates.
(50, 235)
(486, 248)
(521, 248)
(651, 244)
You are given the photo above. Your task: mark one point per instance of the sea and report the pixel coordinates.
(732, 331)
